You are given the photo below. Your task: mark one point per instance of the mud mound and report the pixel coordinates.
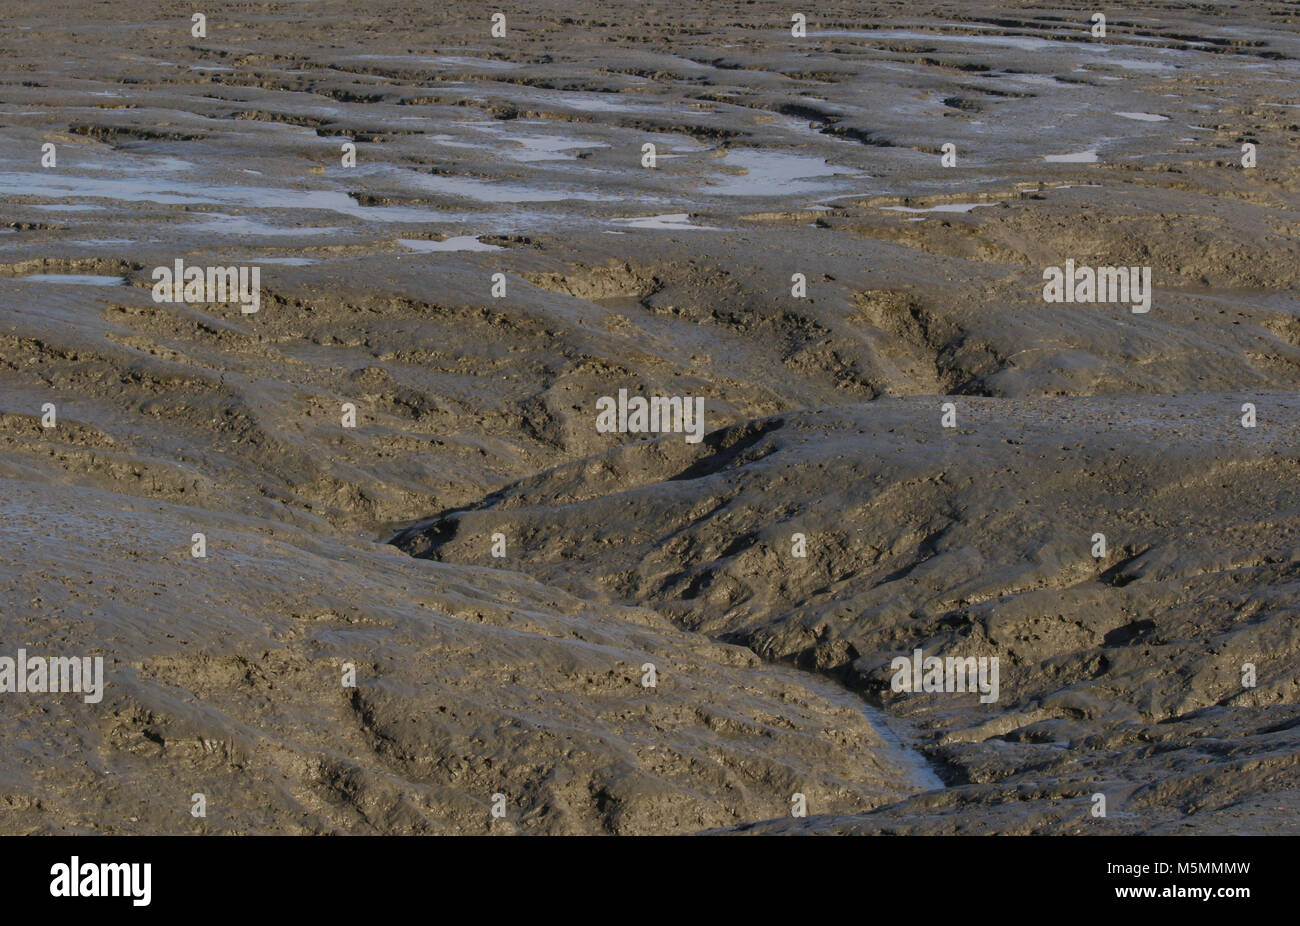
(977, 542)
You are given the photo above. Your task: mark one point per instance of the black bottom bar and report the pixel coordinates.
(644, 877)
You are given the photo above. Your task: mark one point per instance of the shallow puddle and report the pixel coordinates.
(1078, 157)
(75, 279)
(942, 207)
(775, 173)
(454, 243)
(1144, 117)
(676, 221)
(1022, 42)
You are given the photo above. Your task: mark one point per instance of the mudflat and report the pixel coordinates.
(974, 335)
